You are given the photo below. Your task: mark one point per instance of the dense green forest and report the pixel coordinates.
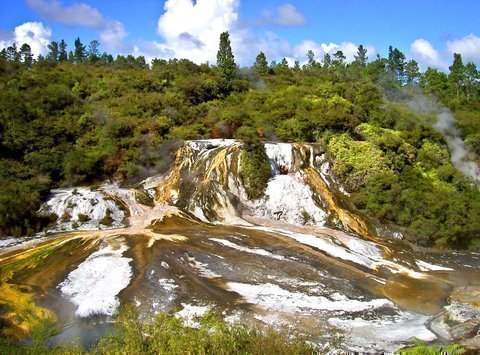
(77, 117)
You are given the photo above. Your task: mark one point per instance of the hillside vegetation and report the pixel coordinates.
(80, 118)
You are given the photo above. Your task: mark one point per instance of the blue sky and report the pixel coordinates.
(426, 30)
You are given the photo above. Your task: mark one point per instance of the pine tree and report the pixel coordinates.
(71, 57)
(327, 60)
(79, 53)
(472, 77)
(93, 52)
(396, 64)
(412, 72)
(225, 59)
(457, 72)
(310, 59)
(296, 66)
(261, 64)
(12, 53)
(53, 51)
(339, 58)
(62, 51)
(361, 57)
(26, 55)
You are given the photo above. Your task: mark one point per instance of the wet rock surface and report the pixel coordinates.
(190, 239)
(460, 320)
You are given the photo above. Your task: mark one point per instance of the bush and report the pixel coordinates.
(165, 334)
(254, 166)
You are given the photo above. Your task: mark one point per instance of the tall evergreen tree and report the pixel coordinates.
(339, 58)
(53, 51)
(261, 64)
(93, 52)
(412, 72)
(26, 54)
(457, 73)
(311, 59)
(225, 59)
(472, 77)
(71, 57)
(396, 64)
(327, 60)
(12, 53)
(62, 51)
(296, 66)
(361, 57)
(80, 52)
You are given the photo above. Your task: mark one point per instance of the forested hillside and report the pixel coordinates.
(80, 117)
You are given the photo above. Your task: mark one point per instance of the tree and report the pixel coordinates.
(327, 60)
(457, 73)
(26, 54)
(311, 59)
(434, 81)
(296, 66)
(339, 58)
(412, 72)
(261, 64)
(71, 57)
(53, 51)
(472, 77)
(12, 53)
(62, 51)
(361, 57)
(396, 64)
(93, 52)
(225, 59)
(79, 54)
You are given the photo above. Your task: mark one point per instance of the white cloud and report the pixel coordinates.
(111, 32)
(192, 29)
(468, 47)
(34, 33)
(284, 15)
(423, 51)
(349, 49)
(76, 14)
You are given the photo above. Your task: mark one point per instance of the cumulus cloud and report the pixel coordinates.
(111, 32)
(284, 15)
(34, 33)
(191, 29)
(349, 49)
(76, 14)
(468, 46)
(423, 51)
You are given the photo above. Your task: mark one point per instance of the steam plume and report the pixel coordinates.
(446, 126)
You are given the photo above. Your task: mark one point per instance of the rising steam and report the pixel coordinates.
(446, 126)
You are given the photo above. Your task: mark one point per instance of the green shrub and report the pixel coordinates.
(254, 166)
(166, 334)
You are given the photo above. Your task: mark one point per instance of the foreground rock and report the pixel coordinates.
(460, 322)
